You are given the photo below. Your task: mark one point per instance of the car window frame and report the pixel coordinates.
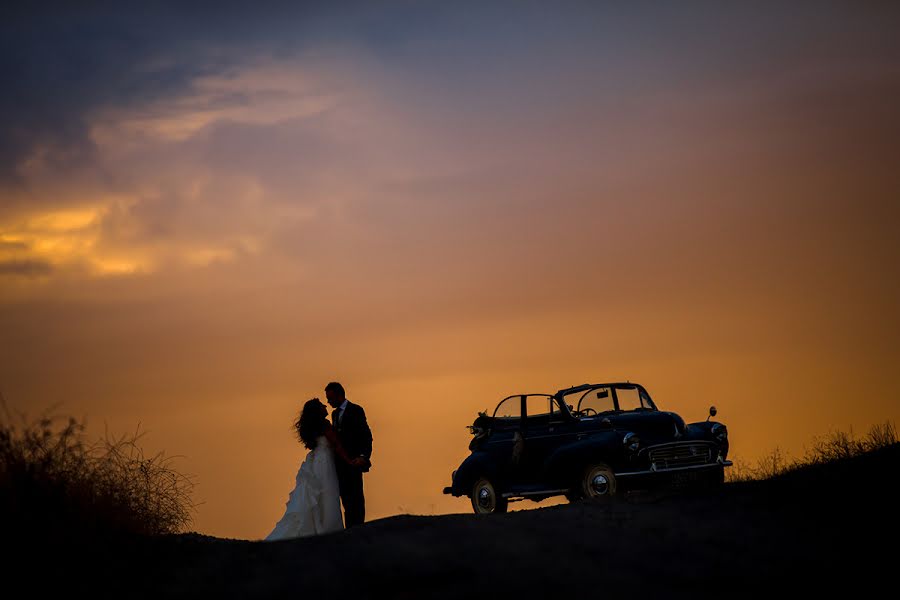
(642, 394)
(510, 419)
(547, 414)
(631, 386)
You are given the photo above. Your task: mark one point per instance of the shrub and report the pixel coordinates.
(52, 481)
(835, 445)
(838, 445)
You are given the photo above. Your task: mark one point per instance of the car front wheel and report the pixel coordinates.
(597, 482)
(486, 499)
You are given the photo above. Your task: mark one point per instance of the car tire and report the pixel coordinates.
(486, 499)
(597, 483)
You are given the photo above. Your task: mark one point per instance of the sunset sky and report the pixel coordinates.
(207, 214)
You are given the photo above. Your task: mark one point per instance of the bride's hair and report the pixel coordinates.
(311, 422)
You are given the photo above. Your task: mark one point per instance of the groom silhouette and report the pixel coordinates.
(353, 431)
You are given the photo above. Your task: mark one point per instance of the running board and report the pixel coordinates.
(726, 463)
(535, 493)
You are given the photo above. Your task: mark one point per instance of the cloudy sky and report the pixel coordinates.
(208, 213)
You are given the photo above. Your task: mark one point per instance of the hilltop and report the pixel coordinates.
(824, 529)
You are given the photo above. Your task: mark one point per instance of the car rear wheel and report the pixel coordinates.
(597, 482)
(486, 499)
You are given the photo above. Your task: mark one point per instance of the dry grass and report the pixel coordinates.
(835, 445)
(52, 481)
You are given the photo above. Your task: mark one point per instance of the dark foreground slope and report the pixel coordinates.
(825, 530)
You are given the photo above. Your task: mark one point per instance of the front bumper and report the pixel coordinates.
(724, 463)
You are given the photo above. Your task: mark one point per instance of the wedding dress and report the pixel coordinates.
(314, 505)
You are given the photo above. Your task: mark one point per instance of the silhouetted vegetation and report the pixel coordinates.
(52, 482)
(835, 445)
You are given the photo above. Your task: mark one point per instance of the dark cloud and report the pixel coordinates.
(61, 65)
(25, 268)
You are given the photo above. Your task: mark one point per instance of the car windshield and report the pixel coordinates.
(608, 399)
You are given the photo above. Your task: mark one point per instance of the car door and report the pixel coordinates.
(539, 437)
(505, 444)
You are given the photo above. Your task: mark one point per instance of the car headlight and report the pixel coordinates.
(719, 432)
(631, 442)
(453, 476)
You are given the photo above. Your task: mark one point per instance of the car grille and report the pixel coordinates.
(685, 454)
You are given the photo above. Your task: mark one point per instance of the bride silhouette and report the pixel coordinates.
(314, 505)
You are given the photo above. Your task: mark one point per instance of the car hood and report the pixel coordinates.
(655, 426)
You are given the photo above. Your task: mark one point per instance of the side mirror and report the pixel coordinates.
(605, 423)
(712, 412)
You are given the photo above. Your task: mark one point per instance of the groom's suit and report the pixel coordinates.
(356, 438)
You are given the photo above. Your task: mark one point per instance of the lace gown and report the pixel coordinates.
(314, 505)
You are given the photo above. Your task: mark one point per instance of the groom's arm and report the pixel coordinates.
(365, 435)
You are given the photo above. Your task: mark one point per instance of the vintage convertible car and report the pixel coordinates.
(590, 441)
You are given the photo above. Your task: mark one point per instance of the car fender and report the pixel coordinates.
(702, 430)
(478, 464)
(568, 459)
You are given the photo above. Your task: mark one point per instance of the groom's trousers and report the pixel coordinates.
(350, 481)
